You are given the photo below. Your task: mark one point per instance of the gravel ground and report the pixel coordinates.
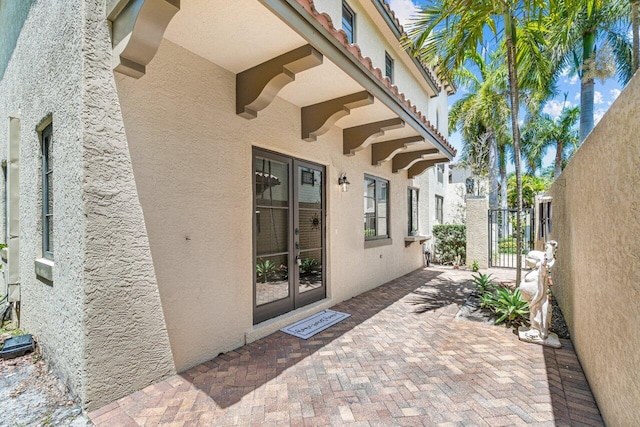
(32, 396)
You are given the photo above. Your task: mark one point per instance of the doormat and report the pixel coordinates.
(306, 328)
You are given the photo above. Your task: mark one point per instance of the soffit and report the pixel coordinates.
(212, 30)
(235, 35)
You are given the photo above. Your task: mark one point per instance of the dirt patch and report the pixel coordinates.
(32, 396)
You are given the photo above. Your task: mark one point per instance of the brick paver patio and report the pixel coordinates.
(400, 359)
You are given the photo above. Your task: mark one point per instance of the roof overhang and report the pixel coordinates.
(297, 55)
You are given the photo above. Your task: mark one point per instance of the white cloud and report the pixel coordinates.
(404, 10)
(614, 94)
(577, 97)
(553, 107)
(597, 98)
(574, 79)
(597, 115)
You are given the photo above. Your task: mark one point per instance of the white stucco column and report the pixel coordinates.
(477, 231)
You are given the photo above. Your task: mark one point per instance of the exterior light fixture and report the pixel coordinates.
(343, 182)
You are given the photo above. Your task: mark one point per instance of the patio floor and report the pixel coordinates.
(400, 359)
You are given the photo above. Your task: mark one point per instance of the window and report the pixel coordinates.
(412, 209)
(376, 208)
(349, 22)
(307, 178)
(47, 193)
(439, 210)
(440, 174)
(388, 66)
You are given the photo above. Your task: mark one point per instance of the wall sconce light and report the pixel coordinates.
(343, 182)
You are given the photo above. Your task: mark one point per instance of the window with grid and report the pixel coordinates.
(388, 66)
(47, 192)
(348, 22)
(376, 208)
(439, 210)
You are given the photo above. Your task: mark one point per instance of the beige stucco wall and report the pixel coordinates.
(477, 231)
(126, 340)
(99, 324)
(431, 187)
(191, 157)
(596, 220)
(374, 40)
(44, 77)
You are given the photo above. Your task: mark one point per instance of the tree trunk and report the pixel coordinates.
(515, 127)
(586, 108)
(493, 171)
(636, 35)
(504, 204)
(558, 166)
(587, 84)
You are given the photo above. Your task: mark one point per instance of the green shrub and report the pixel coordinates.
(483, 283)
(308, 264)
(265, 269)
(488, 300)
(507, 245)
(510, 306)
(475, 266)
(451, 243)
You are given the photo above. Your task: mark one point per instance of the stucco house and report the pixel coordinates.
(175, 173)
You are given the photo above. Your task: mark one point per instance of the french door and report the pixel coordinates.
(289, 234)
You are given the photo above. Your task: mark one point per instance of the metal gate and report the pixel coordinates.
(502, 236)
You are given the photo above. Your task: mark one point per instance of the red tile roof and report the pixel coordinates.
(448, 87)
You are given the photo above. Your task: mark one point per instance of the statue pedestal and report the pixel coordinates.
(532, 336)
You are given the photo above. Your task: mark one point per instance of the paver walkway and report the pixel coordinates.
(400, 359)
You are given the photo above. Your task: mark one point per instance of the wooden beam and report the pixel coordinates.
(384, 151)
(423, 165)
(317, 119)
(136, 32)
(258, 86)
(358, 137)
(405, 160)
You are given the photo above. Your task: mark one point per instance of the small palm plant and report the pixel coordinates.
(488, 300)
(483, 283)
(308, 264)
(510, 306)
(265, 269)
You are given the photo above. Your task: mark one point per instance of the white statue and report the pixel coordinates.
(534, 289)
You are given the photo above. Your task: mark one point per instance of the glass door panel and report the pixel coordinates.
(272, 236)
(309, 237)
(272, 279)
(310, 277)
(289, 234)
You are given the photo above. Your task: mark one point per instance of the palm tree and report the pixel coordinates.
(544, 131)
(446, 32)
(594, 45)
(636, 34)
(482, 113)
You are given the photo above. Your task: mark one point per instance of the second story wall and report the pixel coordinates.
(375, 38)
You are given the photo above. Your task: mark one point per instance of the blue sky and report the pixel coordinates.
(605, 93)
